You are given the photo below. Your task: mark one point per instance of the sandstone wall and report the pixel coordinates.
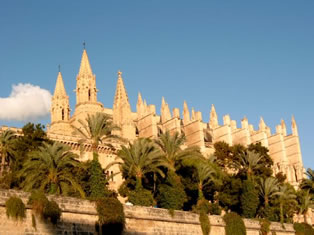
(79, 217)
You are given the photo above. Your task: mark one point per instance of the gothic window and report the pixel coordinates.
(89, 94)
(111, 176)
(62, 114)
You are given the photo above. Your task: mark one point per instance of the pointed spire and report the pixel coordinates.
(85, 67)
(245, 123)
(294, 126)
(193, 117)
(139, 99)
(186, 113)
(165, 111)
(283, 127)
(213, 119)
(121, 97)
(60, 90)
(262, 125)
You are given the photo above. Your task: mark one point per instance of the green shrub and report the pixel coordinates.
(265, 226)
(234, 224)
(202, 205)
(15, 208)
(141, 197)
(303, 229)
(97, 180)
(48, 210)
(110, 215)
(205, 224)
(52, 212)
(249, 199)
(214, 209)
(170, 197)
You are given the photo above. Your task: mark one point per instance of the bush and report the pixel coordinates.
(234, 224)
(52, 212)
(110, 215)
(170, 197)
(48, 210)
(214, 209)
(303, 229)
(249, 199)
(15, 208)
(141, 197)
(97, 180)
(265, 226)
(205, 224)
(202, 205)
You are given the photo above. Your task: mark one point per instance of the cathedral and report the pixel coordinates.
(145, 122)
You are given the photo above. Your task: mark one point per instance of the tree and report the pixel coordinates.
(268, 188)
(6, 148)
(308, 184)
(97, 129)
(140, 158)
(306, 201)
(286, 196)
(249, 199)
(50, 169)
(171, 147)
(249, 162)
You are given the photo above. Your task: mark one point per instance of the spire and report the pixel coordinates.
(85, 67)
(165, 111)
(139, 99)
(262, 125)
(213, 121)
(193, 114)
(186, 113)
(59, 90)
(294, 126)
(283, 127)
(121, 96)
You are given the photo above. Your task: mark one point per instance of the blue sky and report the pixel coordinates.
(249, 58)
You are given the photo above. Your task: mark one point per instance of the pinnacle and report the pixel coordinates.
(121, 96)
(60, 90)
(85, 67)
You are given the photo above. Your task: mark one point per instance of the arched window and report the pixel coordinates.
(89, 94)
(62, 114)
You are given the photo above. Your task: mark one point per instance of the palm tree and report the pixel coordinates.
(206, 174)
(306, 202)
(6, 148)
(50, 169)
(171, 146)
(286, 195)
(308, 183)
(97, 129)
(250, 162)
(268, 188)
(140, 158)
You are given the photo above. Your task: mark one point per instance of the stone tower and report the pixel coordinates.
(60, 108)
(86, 91)
(122, 114)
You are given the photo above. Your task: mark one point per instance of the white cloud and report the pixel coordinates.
(25, 103)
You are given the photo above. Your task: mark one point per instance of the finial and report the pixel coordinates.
(84, 44)
(59, 68)
(119, 73)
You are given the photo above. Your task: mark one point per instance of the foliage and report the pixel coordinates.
(265, 226)
(97, 129)
(171, 197)
(15, 208)
(7, 150)
(249, 199)
(52, 212)
(249, 162)
(286, 197)
(205, 224)
(48, 210)
(202, 206)
(234, 224)
(97, 180)
(140, 158)
(214, 209)
(303, 229)
(50, 169)
(110, 215)
(141, 197)
(268, 188)
(308, 184)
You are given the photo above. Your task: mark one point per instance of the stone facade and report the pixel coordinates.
(283, 148)
(80, 216)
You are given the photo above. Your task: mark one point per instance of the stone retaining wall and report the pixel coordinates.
(79, 217)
